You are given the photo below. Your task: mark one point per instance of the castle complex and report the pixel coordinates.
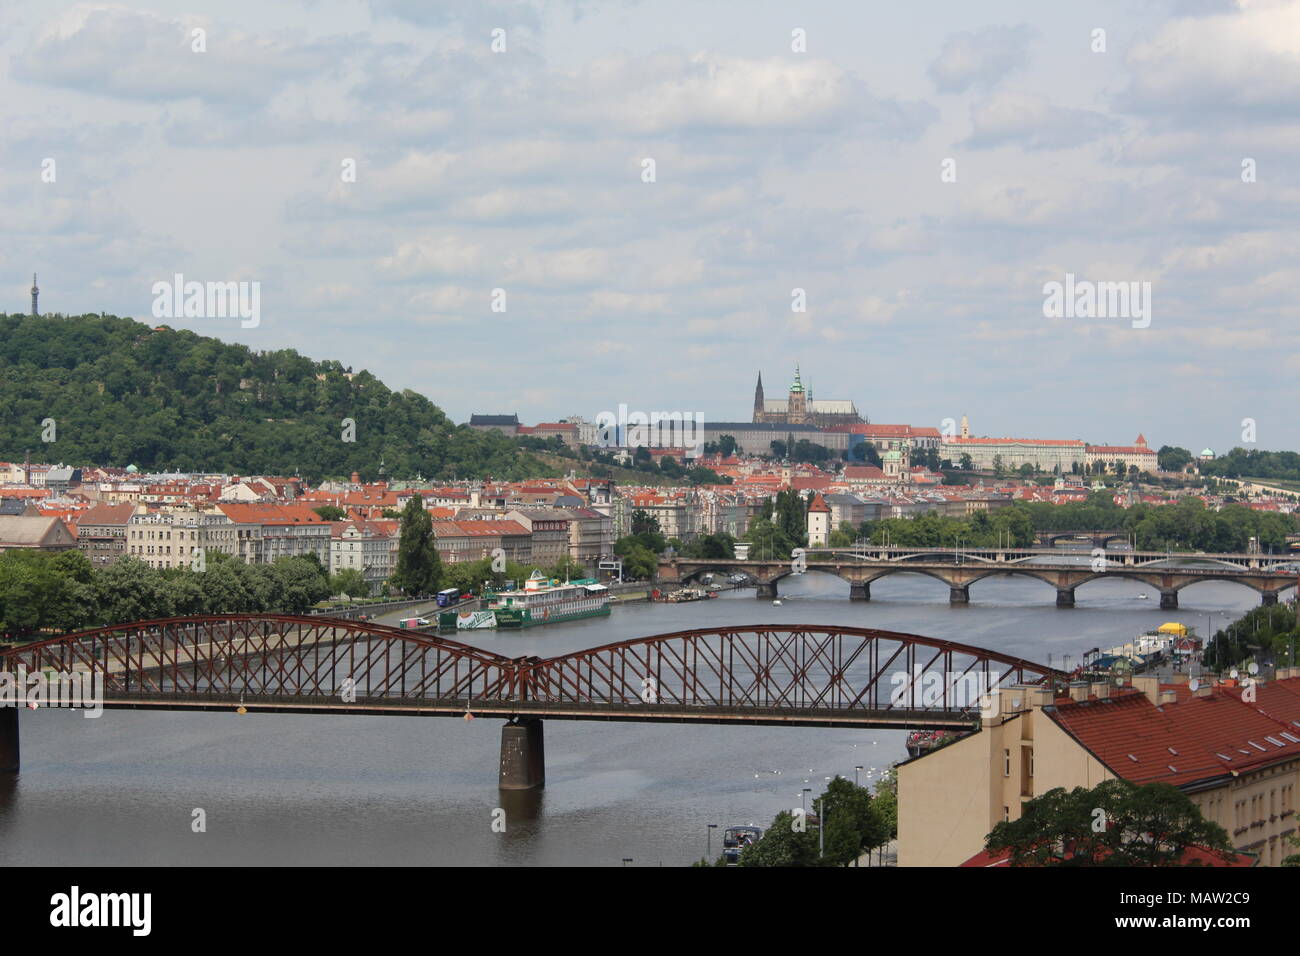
(800, 408)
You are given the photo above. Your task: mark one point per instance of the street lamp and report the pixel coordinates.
(856, 771)
(821, 828)
(803, 804)
(709, 853)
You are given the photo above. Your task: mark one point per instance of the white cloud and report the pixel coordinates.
(980, 57)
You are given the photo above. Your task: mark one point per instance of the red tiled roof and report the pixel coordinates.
(269, 513)
(1191, 856)
(107, 514)
(863, 472)
(1193, 739)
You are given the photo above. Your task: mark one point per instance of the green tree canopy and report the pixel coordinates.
(419, 569)
(1116, 823)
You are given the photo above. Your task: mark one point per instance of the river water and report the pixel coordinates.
(124, 788)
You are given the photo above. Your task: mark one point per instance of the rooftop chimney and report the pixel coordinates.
(1149, 685)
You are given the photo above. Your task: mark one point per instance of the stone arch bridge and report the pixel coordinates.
(959, 572)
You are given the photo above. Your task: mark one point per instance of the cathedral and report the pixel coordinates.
(800, 408)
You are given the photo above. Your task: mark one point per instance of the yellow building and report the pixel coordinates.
(1235, 751)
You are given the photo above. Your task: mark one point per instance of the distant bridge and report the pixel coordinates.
(1137, 559)
(1099, 539)
(788, 675)
(1269, 575)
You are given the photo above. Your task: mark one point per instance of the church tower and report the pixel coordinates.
(819, 522)
(798, 404)
(35, 293)
(758, 399)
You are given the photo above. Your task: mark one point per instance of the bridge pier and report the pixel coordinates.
(1269, 598)
(1169, 600)
(523, 756)
(767, 590)
(9, 739)
(959, 594)
(1065, 597)
(859, 592)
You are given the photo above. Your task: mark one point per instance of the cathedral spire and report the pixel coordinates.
(758, 399)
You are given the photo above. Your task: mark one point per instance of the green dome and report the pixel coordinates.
(1207, 453)
(131, 469)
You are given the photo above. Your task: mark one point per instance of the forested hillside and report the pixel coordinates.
(121, 392)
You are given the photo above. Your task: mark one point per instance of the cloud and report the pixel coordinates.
(981, 58)
(1032, 122)
(1247, 61)
(112, 50)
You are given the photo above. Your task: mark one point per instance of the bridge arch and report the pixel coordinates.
(812, 670)
(258, 655)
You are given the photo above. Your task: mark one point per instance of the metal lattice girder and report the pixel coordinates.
(803, 672)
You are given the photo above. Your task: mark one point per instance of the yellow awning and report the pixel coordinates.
(1172, 627)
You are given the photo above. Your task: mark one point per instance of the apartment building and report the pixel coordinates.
(1235, 752)
(172, 538)
(261, 533)
(459, 541)
(102, 533)
(549, 529)
(366, 546)
(591, 536)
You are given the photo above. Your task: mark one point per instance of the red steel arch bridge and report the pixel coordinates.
(775, 674)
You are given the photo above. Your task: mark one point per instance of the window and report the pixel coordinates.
(1006, 763)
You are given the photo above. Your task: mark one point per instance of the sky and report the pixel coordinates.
(920, 173)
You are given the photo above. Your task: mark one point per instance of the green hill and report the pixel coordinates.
(121, 392)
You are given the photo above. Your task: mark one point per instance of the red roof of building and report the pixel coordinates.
(1191, 856)
(1193, 739)
(863, 473)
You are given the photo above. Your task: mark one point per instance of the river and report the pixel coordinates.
(331, 790)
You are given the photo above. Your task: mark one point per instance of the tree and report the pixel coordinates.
(568, 568)
(297, 585)
(783, 844)
(1117, 823)
(966, 463)
(123, 392)
(330, 513)
(853, 823)
(419, 569)
(349, 581)
(643, 522)
(865, 451)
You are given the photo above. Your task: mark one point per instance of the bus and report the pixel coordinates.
(448, 597)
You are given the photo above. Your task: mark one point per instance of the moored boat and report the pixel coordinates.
(545, 600)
